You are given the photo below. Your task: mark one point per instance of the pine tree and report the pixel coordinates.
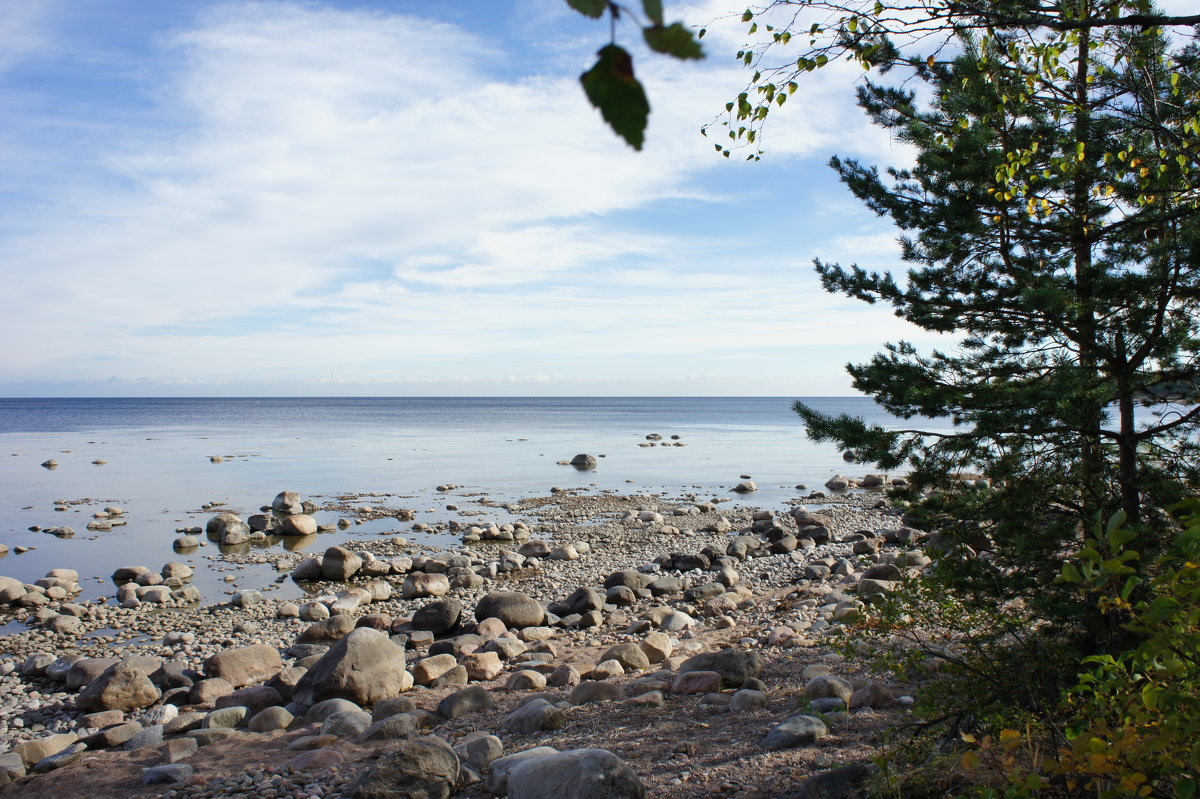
(1052, 226)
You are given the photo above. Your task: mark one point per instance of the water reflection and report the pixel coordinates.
(295, 543)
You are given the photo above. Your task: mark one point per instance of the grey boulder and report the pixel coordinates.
(577, 773)
(466, 700)
(122, 686)
(339, 564)
(439, 616)
(534, 716)
(169, 773)
(501, 767)
(245, 665)
(364, 667)
(796, 731)
(734, 665)
(423, 768)
(514, 608)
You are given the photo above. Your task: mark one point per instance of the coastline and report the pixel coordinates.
(166, 464)
(620, 532)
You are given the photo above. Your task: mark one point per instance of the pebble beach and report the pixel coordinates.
(684, 640)
(671, 578)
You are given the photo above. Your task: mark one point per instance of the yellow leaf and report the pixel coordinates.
(969, 760)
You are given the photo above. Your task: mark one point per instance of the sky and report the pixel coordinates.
(402, 198)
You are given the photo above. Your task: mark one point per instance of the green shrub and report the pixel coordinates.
(1135, 716)
(1017, 707)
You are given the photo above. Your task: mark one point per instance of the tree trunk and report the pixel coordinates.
(1091, 452)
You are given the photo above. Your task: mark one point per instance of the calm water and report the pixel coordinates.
(159, 469)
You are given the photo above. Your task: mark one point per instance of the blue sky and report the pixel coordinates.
(410, 198)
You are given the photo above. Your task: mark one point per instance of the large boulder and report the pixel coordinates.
(515, 608)
(419, 584)
(836, 783)
(534, 716)
(327, 631)
(629, 655)
(256, 698)
(321, 711)
(805, 518)
(478, 750)
(223, 524)
(628, 578)
(287, 502)
(501, 767)
(577, 773)
(10, 590)
(82, 672)
(339, 564)
(299, 524)
(438, 617)
(426, 670)
(122, 686)
(393, 728)
(464, 701)
(734, 665)
(270, 719)
(39, 749)
(308, 569)
(263, 522)
(423, 768)
(584, 462)
(795, 731)
(363, 667)
(207, 692)
(594, 691)
(482, 665)
(828, 686)
(696, 682)
(657, 647)
(585, 599)
(873, 694)
(244, 665)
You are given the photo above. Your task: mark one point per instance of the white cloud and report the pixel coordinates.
(357, 192)
(23, 30)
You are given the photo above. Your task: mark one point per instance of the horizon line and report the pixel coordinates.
(438, 396)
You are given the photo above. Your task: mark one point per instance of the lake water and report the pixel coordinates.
(159, 470)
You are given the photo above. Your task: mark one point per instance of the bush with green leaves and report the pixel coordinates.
(997, 719)
(1134, 718)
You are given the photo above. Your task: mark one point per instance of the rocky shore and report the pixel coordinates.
(599, 645)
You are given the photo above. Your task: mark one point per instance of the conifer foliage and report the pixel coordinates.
(1053, 231)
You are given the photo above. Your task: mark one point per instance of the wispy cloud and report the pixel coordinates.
(23, 30)
(322, 190)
